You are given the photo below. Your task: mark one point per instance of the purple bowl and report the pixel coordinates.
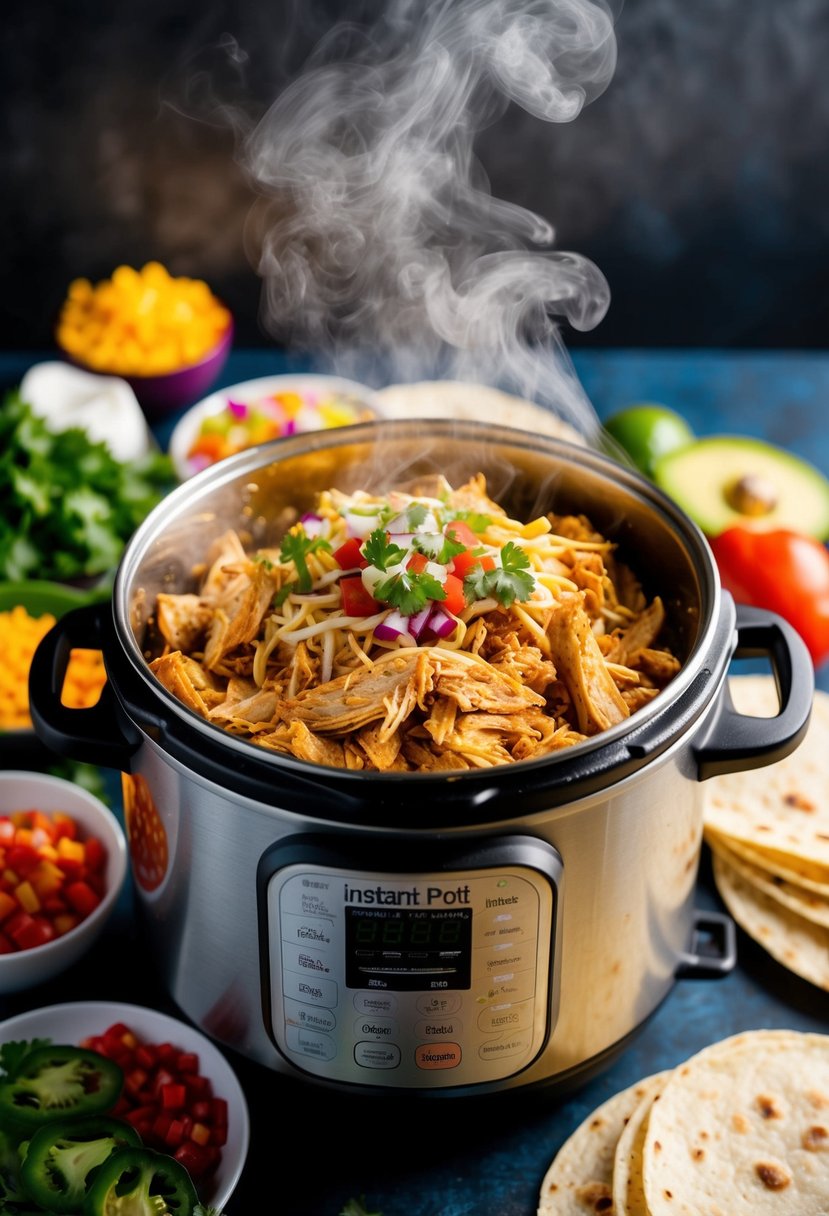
(172, 391)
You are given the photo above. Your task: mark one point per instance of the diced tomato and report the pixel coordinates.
(455, 601)
(197, 1159)
(7, 905)
(462, 563)
(167, 1100)
(356, 600)
(82, 898)
(22, 858)
(349, 557)
(29, 931)
(173, 1096)
(6, 946)
(417, 563)
(461, 531)
(95, 853)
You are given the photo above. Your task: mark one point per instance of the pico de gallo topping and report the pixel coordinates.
(414, 564)
(52, 877)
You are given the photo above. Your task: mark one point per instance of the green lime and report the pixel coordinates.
(647, 432)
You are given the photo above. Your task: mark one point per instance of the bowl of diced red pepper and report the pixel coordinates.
(63, 862)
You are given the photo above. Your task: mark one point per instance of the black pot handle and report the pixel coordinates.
(734, 742)
(92, 735)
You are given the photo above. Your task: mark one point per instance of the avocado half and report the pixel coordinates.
(725, 480)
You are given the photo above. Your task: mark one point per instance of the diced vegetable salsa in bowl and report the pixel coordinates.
(148, 1121)
(261, 410)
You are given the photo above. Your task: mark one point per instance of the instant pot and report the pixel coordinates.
(438, 933)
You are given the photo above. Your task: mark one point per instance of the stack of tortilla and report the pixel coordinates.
(768, 830)
(740, 1128)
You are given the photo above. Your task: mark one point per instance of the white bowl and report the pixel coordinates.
(188, 426)
(20, 791)
(73, 1022)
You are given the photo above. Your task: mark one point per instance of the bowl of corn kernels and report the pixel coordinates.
(167, 336)
(28, 610)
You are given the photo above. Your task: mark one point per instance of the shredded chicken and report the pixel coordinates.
(267, 652)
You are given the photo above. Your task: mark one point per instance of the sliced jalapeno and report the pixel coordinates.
(58, 1081)
(140, 1182)
(62, 1158)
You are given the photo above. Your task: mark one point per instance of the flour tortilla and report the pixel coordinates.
(579, 1181)
(476, 402)
(797, 898)
(628, 1183)
(766, 863)
(781, 810)
(742, 1129)
(797, 943)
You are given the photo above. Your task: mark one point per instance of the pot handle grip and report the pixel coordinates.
(91, 735)
(734, 742)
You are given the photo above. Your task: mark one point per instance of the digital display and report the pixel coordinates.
(408, 949)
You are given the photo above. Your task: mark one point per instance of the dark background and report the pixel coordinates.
(697, 181)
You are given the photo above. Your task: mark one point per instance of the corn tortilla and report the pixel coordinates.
(742, 1129)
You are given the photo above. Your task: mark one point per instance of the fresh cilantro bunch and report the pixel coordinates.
(67, 506)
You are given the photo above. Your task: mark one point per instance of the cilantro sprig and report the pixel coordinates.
(14, 1053)
(381, 552)
(296, 547)
(409, 592)
(506, 583)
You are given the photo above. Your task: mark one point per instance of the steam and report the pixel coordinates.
(376, 235)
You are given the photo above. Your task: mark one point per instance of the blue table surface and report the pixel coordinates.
(311, 1151)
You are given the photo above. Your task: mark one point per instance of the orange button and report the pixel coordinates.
(438, 1055)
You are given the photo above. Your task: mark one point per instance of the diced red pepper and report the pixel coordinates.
(356, 600)
(82, 898)
(460, 531)
(197, 1159)
(349, 557)
(173, 1096)
(455, 601)
(187, 1061)
(29, 931)
(417, 563)
(462, 563)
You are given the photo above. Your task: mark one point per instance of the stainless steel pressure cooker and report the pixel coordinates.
(425, 933)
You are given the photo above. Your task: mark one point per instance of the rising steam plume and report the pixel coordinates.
(376, 235)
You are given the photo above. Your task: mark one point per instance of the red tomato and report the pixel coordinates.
(462, 563)
(349, 557)
(417, 563)
(356, 600)
(455, 601)
(782, 571)
(461, 531)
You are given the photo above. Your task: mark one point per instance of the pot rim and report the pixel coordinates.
(696, 667)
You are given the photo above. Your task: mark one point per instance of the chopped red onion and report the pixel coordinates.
(393, 627)
(237, 408)
(313, 524)
(441, 623)
(417, 623)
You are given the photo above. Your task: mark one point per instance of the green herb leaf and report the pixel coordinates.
(409, 592)
(437, 546)
(13, 1053)
(506, 583)
(379, 551)
(295, 548)
(416, 513)
(67, 506)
